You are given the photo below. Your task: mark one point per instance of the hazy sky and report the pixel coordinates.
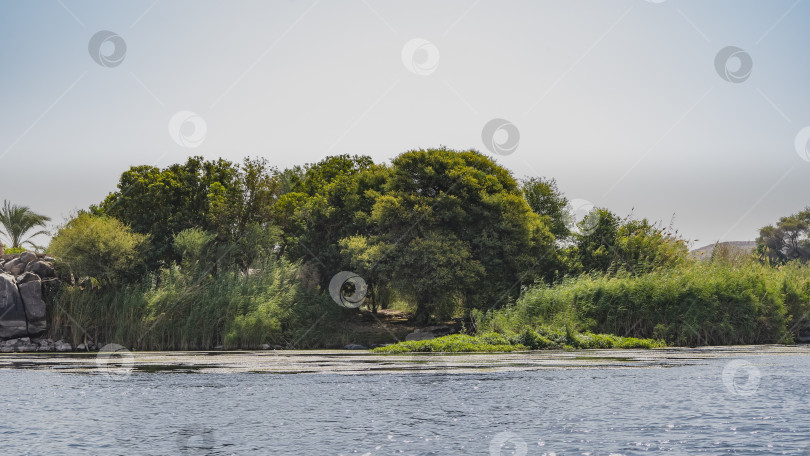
(626, 103)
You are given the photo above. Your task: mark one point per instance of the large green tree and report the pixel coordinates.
(548, 201)
(324, 203)
(17, 222)
(603, 242)
(98, 247)
(788, 240)
(232, 201)
(164, 202)
(452, 230)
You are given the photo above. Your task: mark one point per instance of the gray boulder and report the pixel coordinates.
(14, 267)
(41, 268)
(27, 257)
(355, 347)
(26, 277)
(62, 346)
(8, 264)
(45, 345)
(31, 293)
(27, 347)
(12, 311)
(23, 344)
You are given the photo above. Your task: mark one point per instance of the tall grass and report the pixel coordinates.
(695, 304)
(179, 310)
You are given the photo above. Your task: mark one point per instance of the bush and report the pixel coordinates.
(173, 309)
(528, 339)
(695, 304)
(455, 343)
(102, 248)
(195, 247)
(14, 250)
(532, 339)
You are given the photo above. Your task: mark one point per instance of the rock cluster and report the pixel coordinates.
(26, 344)
(23, 278)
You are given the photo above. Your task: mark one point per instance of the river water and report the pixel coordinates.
(749, 400)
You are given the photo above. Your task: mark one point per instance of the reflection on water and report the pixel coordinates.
(727, 401)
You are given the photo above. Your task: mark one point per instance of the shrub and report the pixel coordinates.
(102, 248)
(195, 247)
(694, 304)
(528, 339)
(172, 309)
(455, 343)
(14, 250)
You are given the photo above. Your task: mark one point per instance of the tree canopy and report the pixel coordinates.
(445, 231)
(217, 196)
(788, 240)
(451, 230)
(102, 248)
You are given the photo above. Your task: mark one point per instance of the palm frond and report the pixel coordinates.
(17, 220)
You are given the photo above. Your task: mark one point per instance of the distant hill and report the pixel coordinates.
(705, 252)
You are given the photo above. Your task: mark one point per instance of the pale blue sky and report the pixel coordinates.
(618, 100)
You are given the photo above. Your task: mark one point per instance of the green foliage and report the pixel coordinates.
(173, 310)
(14, 250)
(547, 200)
(788, 240)
(17, 222)
(216, 196)
(195, 248)
(528, 339)
(241, 254)
(326, 202)
(546, 337)
(447, 231)
(693, 304)
(532, 339)
(606, 243)
(455, 343)
(451, 230)
(162, 202)
(102, 248)
(364, 258)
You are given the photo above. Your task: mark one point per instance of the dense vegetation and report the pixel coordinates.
(527, 340)
(698, 304)
(210, 253)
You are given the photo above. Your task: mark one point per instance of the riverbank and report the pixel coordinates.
(123, 364)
